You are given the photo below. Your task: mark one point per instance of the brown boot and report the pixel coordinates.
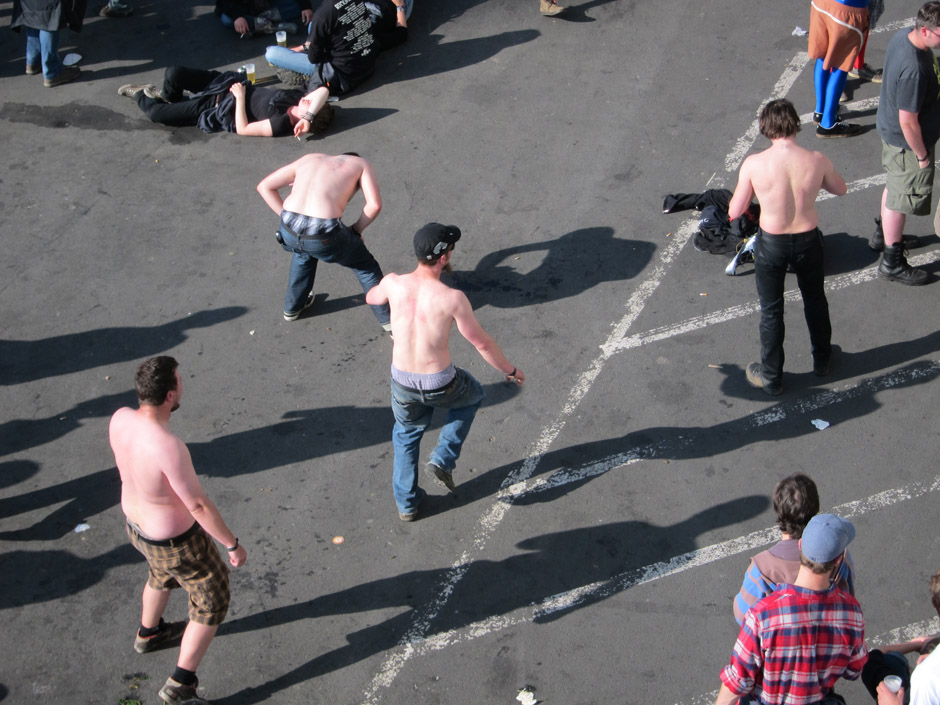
(550, 8)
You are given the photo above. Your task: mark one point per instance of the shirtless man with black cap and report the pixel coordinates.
(423, 376)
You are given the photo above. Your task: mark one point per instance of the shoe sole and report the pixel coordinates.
(411, 516)
(840, 135)
(441, 477)
(903, 280)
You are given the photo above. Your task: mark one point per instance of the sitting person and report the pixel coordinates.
(340, 51)
(796, 501)
(924, 683)
(249, 17)
(222, 102)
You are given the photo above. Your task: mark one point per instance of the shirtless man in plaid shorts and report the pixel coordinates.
(172, 522)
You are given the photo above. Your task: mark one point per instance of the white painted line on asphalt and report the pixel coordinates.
(692, 324)
(895, 636)
(780, 90)
(674, 447)
(693, 559)
(490, 520)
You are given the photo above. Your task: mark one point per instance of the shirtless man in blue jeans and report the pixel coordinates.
(423, 377)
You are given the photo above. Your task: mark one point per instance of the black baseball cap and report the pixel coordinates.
(435, 239)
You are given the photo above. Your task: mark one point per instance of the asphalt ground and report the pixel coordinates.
(605, 511)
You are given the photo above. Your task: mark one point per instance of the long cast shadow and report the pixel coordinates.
(545, 567)
(304, 435)
(21, 434)
(572, 264)
(30, 360)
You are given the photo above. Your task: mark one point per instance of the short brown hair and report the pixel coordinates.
(796, 501)
(928, 16)
(779, 119)
(819, 568)
(155, 379)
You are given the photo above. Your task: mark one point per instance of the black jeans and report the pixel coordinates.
(179, 111)
(804, 253)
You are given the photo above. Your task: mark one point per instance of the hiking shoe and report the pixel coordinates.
(755, 377)
(408, 516)
(175, 692)
(33, 70)
(66, 75)
(116, 9)
(294, 315)
(867, 73)
(169, 632)
(894, 267)
(441, 476)
(839, 129)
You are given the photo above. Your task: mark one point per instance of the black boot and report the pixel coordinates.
(894, 266)
(877, 241)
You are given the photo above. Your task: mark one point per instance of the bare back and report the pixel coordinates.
(422, 310)
(786, 179)
(323, 184)
(155, 466)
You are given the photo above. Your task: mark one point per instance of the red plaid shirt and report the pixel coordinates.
(795, 644)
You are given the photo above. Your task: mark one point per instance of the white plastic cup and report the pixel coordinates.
(250, 72)
(893, 683)
(281, 38)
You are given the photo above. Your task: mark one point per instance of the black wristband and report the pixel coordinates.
(233, 548)
(308, 116)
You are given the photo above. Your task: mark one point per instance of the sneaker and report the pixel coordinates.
(33, 70)
(66, 75)
(550, 8)
(294, 315)
(817, 118)
(821, 368)
(441, 476)
(169, 632)
(116, 9)
(867, 73)
(175, 692)
(130, 90)
(755, 377)
(408, 516)
(839, 129)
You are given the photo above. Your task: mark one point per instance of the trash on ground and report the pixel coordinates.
(799, 31)
(82, 527)
(526, 696)
(820, 424)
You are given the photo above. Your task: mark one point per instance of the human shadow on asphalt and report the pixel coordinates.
(571, 264)
(844, 365)
(31, 577)
(304, 435)
(307, 434)
(31, 360)
(18, 435)
(83, 497)
(610, 558)
(427, 56)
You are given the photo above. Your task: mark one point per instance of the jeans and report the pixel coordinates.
(413, 409)
(333, 241)
(43, 46)
(804, 253)
(179, 111)
(298, 61)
